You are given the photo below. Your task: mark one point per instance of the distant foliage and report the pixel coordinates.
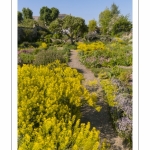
(48, 14)
(71, 26)
(104, 19)
(92, 26)
(20, 17)
(92, 36)
(112, 23)
(120, 24)
(114, 9)
(27, 13)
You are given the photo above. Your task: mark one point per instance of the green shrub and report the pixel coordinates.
(50, 55)
(25, 58)
(70, 46)
(56, 42)
(27, 23)
(28, 45)
(24, 45)
(122, 24)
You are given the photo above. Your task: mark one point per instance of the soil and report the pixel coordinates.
(101, 120)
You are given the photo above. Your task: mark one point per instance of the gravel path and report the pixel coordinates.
(101, 120)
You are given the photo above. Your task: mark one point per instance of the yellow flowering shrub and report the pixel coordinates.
(109, 89)
(43, 45)
(49, 101)
(91, 46)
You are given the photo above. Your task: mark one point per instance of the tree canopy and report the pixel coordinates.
(111, 22)
(114, 9)
(92, 26)
(121, 24)
(104, 19)
(20, 18)
(54, 13)
(48, 15)
(73, 27)
(27, 13)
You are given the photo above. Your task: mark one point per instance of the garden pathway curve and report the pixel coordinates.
(101, 120)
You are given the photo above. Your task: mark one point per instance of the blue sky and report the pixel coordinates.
(86, 9)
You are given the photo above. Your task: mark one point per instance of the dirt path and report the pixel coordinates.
(101, 120)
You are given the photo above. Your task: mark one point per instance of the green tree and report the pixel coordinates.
(114, 9)
(56, 26)
(92, 26)
(48, 15)
(104, 19)
(73, 27)
(45, 14)
(27, 13)
(121, 24)
(54, 13)
(20, 18)
(111, 22)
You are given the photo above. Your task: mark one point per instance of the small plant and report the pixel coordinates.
(25, 58)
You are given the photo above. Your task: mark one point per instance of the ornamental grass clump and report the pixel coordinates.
(49, 102)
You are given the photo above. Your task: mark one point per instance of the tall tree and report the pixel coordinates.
(54, 13)
(104, 19)
(73, 27)
(48, 15)
(92, 26)
(111, 22)
(20, 18)
(121, 24)
(114, 9)
(45, 14)
(27, 13)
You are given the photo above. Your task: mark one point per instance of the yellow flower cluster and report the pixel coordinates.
(91, 46)
(109, 89)
(43, 45)
(58, 134)
(49, 100)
